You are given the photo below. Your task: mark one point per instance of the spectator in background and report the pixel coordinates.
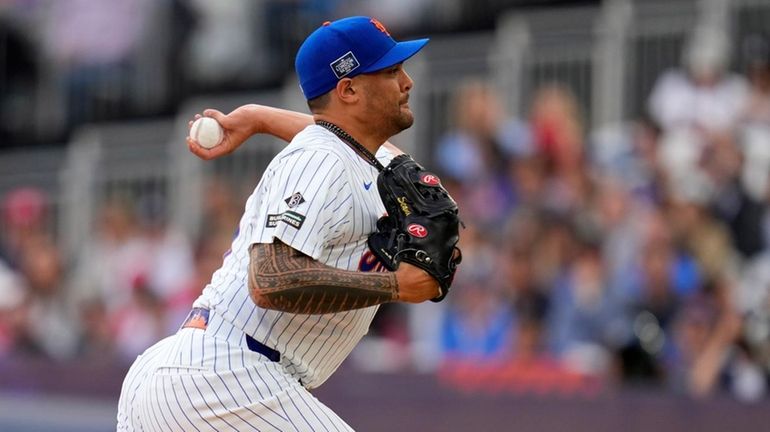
(223, 49)
(171, 264)
(533, 369)
(93, 44)
(167, 277)
(527, 177)
(97, 337)
(43, 318)
(216, 236)
(586, 322)
(49, 324)
(701, 235)
(698, 109)
(191, 267)
(11, 299)
(523, 362)
(757, 52)
(458, 330)
(221, 210)
(710, 357)
(619, 215)
(24, 213)
(627, 156)
(528, 298)
(557, 127)
(663, 278)
(754, 136)
(703, 96)
(554, 248)
(139, 322)
(478, 324)
(667, 271)
(558, 137)
(207, 258)
(112, 277)
(483, 136)
(137, 270)
(530, 303)
(476, 150)
(752, 298)
(741, 206)
(117, 256)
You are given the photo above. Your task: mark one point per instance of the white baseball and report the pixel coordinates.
(207, 132)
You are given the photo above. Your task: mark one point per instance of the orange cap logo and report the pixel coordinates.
(379, 26)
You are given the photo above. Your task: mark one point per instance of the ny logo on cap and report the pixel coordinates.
(345, 65)
(379, 26)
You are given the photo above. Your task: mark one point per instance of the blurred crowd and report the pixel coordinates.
(129, 287)
(68, 62)
(635, 254)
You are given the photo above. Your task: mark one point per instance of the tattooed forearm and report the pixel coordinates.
(281, 278)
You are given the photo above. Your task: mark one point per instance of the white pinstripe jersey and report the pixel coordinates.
(319, 197)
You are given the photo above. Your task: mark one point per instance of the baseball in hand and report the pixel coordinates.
(207, 132)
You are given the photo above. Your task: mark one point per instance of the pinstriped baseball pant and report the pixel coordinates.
(192, 381)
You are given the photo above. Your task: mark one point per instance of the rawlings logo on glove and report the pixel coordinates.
(422, 226)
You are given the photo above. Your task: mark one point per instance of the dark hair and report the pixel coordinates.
(319, 103)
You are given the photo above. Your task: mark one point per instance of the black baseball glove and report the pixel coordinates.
(422, 225)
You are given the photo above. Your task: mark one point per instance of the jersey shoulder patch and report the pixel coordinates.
(289, 217)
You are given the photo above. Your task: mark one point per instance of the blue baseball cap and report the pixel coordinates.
(346, 48)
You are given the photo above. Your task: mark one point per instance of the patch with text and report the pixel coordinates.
(291, 218)
(345, 65)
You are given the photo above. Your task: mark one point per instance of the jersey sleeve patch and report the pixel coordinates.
(294, 200)
(307, 198)
(291, 218)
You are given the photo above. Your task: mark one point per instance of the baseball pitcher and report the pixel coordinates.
(300, 285)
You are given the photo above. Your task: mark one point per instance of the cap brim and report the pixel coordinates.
(400, 52)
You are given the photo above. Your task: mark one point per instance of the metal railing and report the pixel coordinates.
(608, 55)
(126, 161)
(445, 65)
(38, 169)
(188, 173)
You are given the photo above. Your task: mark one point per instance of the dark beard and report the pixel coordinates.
(390, 124)
(402, 122)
